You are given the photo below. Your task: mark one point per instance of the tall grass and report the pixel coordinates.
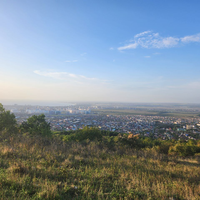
(34, 167)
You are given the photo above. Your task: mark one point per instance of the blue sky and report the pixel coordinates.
(126, 51)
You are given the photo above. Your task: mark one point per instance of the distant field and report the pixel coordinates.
(146, 112)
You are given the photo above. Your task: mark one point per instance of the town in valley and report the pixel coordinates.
(164, 121)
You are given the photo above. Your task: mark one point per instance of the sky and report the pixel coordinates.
(105, 51)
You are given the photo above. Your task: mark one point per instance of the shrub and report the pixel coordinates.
(84, 134)
(183, 150)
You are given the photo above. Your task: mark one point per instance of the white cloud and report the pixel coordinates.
(111, 48)
(130, 46)
(168, 42)
(156, 53)
(86, 78)
(141, 34)
(67, 76)
(56, 75)
(149, 39)
(72, 75)
(69, 61)
(191, 38)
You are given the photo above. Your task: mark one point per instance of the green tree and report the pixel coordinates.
(7, 120)
(36, 125)
(1, 108)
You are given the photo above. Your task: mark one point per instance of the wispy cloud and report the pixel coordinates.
(156, 53)
(149, 39)
(141, 34)
(67, 76)
(55, 75)
(191, 38)
(69, 61)
(83, 54)
(130, 46)
(111, 48)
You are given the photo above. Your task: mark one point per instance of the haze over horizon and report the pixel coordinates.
(105, 51)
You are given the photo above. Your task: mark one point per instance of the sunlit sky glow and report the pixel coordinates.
(124, 51)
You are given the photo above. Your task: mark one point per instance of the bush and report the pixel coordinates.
(84, 134)
(164, 148)
(183, 150)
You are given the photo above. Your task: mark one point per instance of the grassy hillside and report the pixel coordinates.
(34, 167)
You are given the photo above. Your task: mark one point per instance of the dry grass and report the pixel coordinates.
(42, 168)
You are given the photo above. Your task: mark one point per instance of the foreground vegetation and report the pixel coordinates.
(92, 164)
(35, 167)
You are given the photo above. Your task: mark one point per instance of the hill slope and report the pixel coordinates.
(34, 167)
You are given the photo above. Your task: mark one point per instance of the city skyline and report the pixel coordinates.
(105, 51)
